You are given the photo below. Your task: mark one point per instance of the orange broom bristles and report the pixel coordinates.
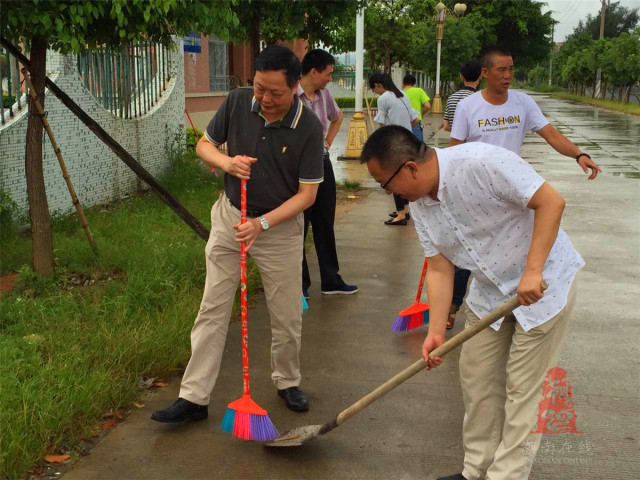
(417, 314)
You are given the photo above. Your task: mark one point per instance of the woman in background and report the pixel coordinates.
(394, 108)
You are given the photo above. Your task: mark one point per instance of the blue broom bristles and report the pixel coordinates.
(228, 420)
(409, 322)
(249, 426)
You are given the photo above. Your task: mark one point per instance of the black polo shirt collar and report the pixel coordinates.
(290, 120)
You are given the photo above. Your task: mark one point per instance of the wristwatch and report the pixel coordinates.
(582, 155)
(263, 222)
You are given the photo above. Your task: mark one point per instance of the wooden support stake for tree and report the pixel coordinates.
(125, 156)
(63, 167)
(369, 114)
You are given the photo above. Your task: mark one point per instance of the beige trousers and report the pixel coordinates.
(278, 254)
(502, 375)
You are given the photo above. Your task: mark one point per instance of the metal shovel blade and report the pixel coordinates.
(296, 437)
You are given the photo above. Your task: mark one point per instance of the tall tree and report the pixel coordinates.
(617, 20)
(389, 26)
(273, 20)
(460, 44)
(573, 45)
(74, 26)
(518, 25)
(621, 62)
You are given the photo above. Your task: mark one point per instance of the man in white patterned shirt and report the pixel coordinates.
(483, 208)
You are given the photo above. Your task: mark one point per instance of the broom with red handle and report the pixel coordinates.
(417, 314)
(244, 418)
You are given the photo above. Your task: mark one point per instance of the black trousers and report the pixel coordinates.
(460, 281)
(321, 215)
(400, 202)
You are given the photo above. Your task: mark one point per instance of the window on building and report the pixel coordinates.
(218, 65)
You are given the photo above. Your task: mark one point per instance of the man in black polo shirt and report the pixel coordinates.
(275, 143)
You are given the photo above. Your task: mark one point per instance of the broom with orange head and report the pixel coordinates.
(417, 314)
(244, 417)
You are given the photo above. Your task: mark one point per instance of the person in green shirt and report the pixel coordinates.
(419, 101)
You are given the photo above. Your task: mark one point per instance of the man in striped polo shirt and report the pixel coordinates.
(470, 78)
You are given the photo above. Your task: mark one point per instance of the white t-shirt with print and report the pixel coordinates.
(504, 125)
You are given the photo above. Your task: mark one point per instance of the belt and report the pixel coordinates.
(250, 213)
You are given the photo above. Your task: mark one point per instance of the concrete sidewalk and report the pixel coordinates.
(414, 432)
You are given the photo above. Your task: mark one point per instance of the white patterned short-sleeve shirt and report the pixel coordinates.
(481, 223)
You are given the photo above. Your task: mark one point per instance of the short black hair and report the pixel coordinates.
(279, 57)
(471, 70)
(486, 57)
(409, 79)
(392, 146)
(318, 59)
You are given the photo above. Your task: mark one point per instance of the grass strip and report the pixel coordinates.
(74, 347)
(630, 108)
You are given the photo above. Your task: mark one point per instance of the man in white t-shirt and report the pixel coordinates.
(475, 206)
(501, 117)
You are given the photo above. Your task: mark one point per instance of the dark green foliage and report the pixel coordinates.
(350, 102)
(192, 138)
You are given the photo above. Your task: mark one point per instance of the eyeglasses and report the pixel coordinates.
(386, 184)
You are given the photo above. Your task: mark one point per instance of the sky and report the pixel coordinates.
(570, 12)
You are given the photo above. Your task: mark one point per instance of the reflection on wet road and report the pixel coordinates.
(612, 139)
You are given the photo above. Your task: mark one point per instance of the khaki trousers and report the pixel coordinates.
(502, 375)
(278, 254)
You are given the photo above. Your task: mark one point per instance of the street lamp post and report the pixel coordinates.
(441, 16)
(357, 134)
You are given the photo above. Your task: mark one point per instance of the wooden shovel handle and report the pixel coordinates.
(454, 342)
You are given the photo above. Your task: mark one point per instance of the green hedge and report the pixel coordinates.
(192, 139)
(350, 102)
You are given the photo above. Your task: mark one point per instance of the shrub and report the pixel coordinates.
(350, 102)
(349, 185)
(8, 211)
(192, 138)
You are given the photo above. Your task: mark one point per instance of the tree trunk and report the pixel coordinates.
(38, 207)
(254, 43)
(387, 59)
(627, 93)
(604, 91)
(621, 93)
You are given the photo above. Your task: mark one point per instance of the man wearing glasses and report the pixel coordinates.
(483, 208)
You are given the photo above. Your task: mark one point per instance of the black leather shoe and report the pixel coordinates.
(295, 399)
(393, 214)
(181, 411)
(391, 221)
(457, 476)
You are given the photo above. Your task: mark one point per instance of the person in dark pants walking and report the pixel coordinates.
(317, 67)
(470, 76)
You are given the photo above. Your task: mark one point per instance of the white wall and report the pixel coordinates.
(97, 174)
